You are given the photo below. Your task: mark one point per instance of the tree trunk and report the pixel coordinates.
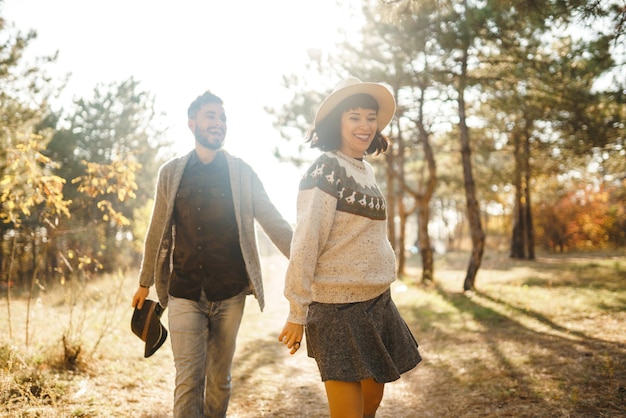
(422, 196)
(402, 238)
(403, 215)
(523, 238)
(423, 205)
(423, 239)
(9, 281)
(473, 212)
(473, 209)
(391, 202)
(518, 233)
(2, 257)
(530, 229)
(395, 162)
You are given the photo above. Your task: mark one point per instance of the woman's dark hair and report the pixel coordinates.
(327, 134)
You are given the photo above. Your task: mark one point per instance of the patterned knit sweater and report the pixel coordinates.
(340, 252)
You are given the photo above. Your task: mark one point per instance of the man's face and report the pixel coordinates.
(209, 126)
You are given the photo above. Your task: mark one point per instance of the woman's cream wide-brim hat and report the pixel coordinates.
(352, 86)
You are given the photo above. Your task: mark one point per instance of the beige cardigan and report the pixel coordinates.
(251, 203)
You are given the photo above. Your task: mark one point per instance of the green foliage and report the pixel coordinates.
(544, 99)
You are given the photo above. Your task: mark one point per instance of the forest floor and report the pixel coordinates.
(535, 339)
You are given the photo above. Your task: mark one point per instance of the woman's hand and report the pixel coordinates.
(292, 336)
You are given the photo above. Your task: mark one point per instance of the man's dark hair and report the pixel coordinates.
(205, 98)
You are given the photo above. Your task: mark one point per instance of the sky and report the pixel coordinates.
(238, 49)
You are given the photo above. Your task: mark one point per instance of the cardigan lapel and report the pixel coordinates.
(177, 175)
(235, 185)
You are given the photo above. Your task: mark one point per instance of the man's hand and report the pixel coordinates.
(140, 296)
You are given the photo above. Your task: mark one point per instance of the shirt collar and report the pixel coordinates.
(218, 160)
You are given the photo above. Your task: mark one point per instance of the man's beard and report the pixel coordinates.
(206, 143)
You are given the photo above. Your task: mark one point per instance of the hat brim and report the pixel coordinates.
(146, 324)
(384, 98)
(156, 337)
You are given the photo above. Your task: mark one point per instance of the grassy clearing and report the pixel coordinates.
(542, 338)
(536, 339)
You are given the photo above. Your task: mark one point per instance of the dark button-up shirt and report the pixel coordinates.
(207, 254)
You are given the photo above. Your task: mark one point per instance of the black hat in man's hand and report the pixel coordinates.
(146, 324)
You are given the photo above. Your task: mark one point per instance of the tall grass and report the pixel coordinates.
(66, 327)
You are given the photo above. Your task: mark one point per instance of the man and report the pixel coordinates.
(201, 253)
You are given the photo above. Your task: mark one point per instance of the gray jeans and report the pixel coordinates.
(203, 336)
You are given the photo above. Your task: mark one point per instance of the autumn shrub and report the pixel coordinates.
(585, 218)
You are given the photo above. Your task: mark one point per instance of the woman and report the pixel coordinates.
(342, 264)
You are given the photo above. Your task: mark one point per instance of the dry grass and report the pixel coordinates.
(537, 339)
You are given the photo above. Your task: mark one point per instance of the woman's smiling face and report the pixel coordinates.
(358, 128)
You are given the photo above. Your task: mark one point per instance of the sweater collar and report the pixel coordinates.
(355, 162)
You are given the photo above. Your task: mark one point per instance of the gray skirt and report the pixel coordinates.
(355, 341)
